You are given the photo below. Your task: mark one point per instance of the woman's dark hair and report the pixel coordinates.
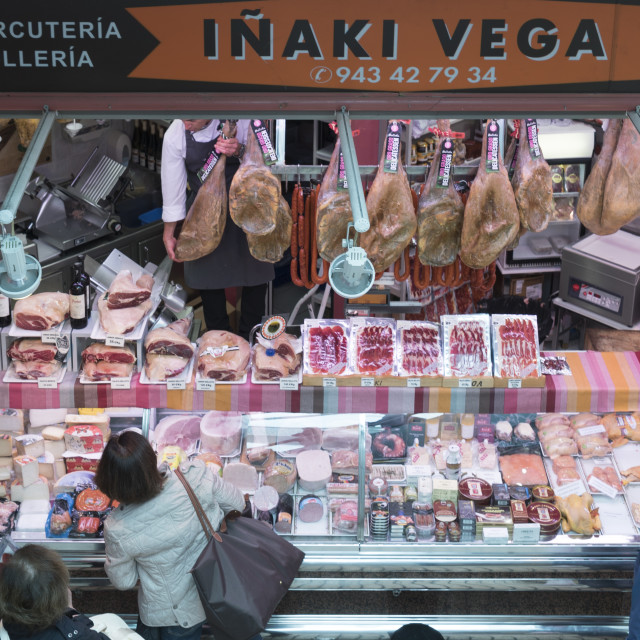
(128, 470)
(34, 588)
(416, 631)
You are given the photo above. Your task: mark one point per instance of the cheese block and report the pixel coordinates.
(52, 433)
(26, 469)
(5, 473)
(39, 418)
(12, 420)
(59, 467)
(55, 447)
(6, 462)
(30, 445)
(5, 489)
(84, 438)
(314, 469)
(39, 490)
(243, 476)
(46, 466)
(100, 420)
(35, 506)
(31, 521)
(6, 445)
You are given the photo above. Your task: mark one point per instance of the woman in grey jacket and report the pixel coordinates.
(154, 536)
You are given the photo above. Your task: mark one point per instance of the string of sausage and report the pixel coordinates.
(313, 211)
(303, 242)
(295, 209)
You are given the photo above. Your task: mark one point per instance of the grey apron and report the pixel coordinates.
(231, 264)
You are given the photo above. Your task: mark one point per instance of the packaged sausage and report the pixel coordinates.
(572, 178)
(326, 347)
(466, 345)
(372, 346)
(557, 178)
(389, 438)
(59, 520)
(418, 349)
(516, 351)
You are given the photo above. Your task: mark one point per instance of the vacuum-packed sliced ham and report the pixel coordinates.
(221, 432)
(466, 345)
(223, 356)
(103, 370)
(440, 209)
(124, 292)
(162, 367)
(373, 342)
(346, 461)
(100, 351)
(333, 208)
(33, 370)
(120, 321)
(30, 350)
(254, 194)
(206, 219)
(491, 219)
(390, 206)
(271, 246)
(531, 180)
(326, 347)
(41, 311)
(180, 430)
(418, 349)
(515, 346)
(165, 341)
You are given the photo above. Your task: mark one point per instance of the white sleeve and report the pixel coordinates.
(243, 128)
(174, 173)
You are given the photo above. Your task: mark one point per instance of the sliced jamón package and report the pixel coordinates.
(326, 347)
(466, 345)
(418, 349)
(516, 352)
(372, 346)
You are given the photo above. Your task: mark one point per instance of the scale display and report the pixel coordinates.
(595, 296)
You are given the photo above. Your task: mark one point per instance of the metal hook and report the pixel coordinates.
(298, 173)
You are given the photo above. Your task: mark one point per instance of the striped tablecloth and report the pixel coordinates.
(599, 382)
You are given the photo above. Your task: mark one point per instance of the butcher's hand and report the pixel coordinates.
(170, 240)
(228, 146)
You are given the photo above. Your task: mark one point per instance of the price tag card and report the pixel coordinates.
(289, 384)
(50, 337)
(329, 382)
(205, 385)
(465, 383)
(367, 382)
(121, 383)
(602, 487)
(565, 490)
(47, 383)
(176, 384)
(514, 383)
(413, 382)
(591, 431)
(526, 533)
(114, 341)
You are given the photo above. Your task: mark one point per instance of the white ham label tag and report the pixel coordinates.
(567, 489)
(514, 383)
(289, 384)
(114, 341)
(205, 385)
(589, 431)
(121, 383)
(526, 533)
(176, 384)
(367, 382)
(47, 383)
(464, 383)
(329, 382)
(50, 337)
(413, 382)
(602, 487)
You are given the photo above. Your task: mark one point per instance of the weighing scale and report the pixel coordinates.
(602, 274)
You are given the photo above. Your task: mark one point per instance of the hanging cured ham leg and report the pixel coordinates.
(532, 180)
(271, 247)
(390, 207)
(440, 209)
(491, 219)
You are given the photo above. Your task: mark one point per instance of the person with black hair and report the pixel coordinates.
(416, 631)
(35, 601)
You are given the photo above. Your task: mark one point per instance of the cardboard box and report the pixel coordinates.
(81, 463)
(84, 438)
(530, 287)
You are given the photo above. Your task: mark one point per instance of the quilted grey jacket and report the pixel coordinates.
(159, 541)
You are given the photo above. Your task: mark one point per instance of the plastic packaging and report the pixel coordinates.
(272, 360)
(59, 521)
(372, 346)
(454, 461)
(418, 349)
(467, 345)
(516, 352)
(326, 347)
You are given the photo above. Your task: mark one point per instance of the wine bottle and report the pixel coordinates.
(159, 148)
(5, 311)
(86, 282)
(77, 301)
(285, 514)
(144, 142)
(135, 143)
(151, 148)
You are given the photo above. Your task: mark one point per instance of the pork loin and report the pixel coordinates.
(41, 311)
(31, 350)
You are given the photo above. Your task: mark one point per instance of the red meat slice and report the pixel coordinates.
(327, 350)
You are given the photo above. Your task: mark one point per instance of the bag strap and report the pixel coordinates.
(202, 516)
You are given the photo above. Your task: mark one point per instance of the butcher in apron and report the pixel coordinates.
(186, 147)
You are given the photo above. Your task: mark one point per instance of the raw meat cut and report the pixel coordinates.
(177, 430)
(223, 356)
(270, 247)
(343, 438)
(548, 419)
(590, 203)
(161, 367)
(103, 370)
(254, 195)
(182, 326)
(165, 341)
(491, 219)
(333, 210)
(557, 430)
(326, 347)
(30, 350)
(41, 311)
(205, 221)
(346, 461)
(419, 349)
(123, 292)
(621, 202)
(607, 475)
(32, 370)
(564, 462)
(221, 432)
(282, 363)
(523, 469)
(120, 321)
(466, 346)
(592, 444)
(584, 420)
(390, 207)
(374, 348)
(100, 351)
(292, 441)
(560, 446)
(531, 180)
(577, 514)
(440, 209)
(516, 352)
(565, 469)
